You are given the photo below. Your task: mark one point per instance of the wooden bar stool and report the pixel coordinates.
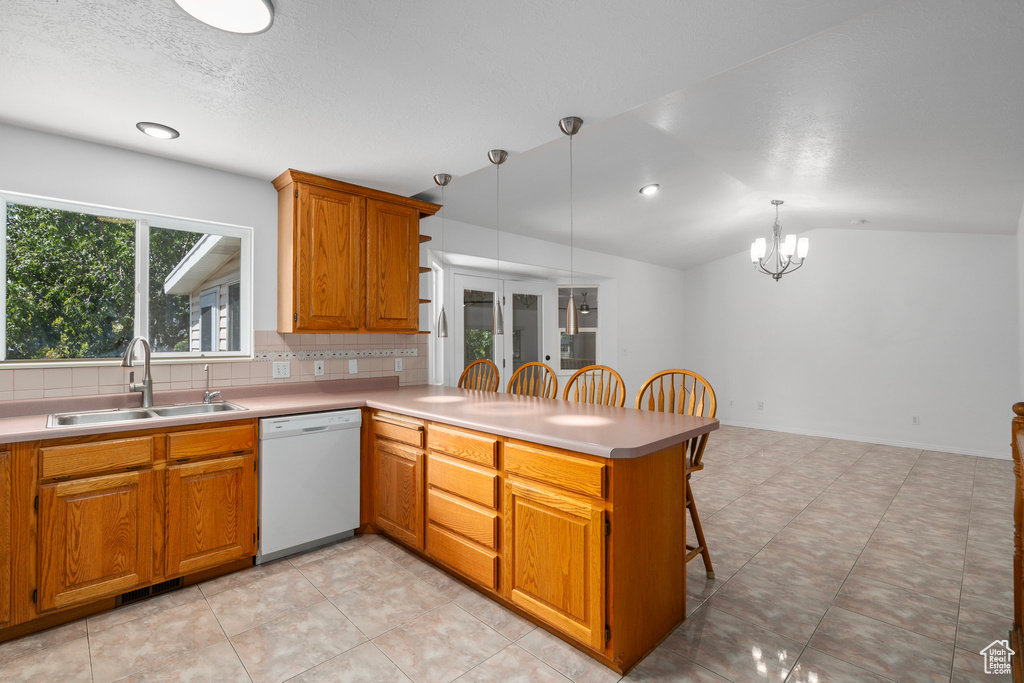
(534, 379)
(481, 375)
(685, 393)
(596, 384)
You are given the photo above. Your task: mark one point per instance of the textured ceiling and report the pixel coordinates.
(905, 114)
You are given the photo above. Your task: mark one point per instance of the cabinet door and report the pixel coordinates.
(392, 267)
(95, 538)
(6, 491)
(400, 492)
(555, 560)
(329, 259)
(211, 513)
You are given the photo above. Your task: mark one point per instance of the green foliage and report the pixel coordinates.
(168, 314)
(70, 284)
(479, 345)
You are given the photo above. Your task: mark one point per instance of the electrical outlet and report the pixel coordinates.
(915, 420)
(398, 365)
(282, 369)
(732, 403)
(353, 366)
(760, 405)
(318, 368)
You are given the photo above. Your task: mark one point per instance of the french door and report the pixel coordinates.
(530, 324)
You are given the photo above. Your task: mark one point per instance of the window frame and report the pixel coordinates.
(144, 220)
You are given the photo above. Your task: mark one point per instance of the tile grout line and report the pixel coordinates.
(963, 573)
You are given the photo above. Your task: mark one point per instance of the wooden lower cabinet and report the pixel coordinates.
(95, 538)
(399, 491)
(555, 559)
(211, 513)
(6, 537)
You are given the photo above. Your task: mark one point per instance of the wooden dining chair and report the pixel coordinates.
(481, 375)
(596, 384)
(685, 393)
(534, 379)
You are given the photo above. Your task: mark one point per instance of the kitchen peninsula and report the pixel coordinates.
(570, 514)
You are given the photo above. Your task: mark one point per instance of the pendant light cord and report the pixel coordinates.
(497, 224)
(571, 250)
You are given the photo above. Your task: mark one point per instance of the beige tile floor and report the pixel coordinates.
(834, 561)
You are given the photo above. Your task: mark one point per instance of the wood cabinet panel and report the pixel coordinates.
(392, 267)
(468, 559)
(398, 429)
(461, 443)
(6, 536)
(400, 492)
(199, 443)
(555, 560)
(568, 472)
(463, 518)
(100, 456)
(454, 476)
(329, 262)
(95, 538)
(211, 513)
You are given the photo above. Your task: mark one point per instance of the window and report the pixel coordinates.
(580, 350)
(81, 281)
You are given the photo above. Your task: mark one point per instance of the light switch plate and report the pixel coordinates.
(318, 368)
(398, 365)
(353, 366)
(282, 369)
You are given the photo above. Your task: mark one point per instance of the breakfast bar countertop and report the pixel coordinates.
(603, 431)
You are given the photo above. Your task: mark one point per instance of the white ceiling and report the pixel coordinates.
(905, 114)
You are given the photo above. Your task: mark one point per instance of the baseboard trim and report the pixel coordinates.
(864, 439)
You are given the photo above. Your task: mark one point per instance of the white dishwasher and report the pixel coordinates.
(309, 481)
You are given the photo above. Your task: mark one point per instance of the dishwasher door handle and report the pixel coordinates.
(307, 430)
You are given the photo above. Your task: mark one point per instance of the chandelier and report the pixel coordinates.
(785, 256)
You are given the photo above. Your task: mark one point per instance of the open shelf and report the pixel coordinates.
(424, 301)
(425, 238)
(424, 269)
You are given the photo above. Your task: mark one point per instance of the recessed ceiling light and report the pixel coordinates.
(234, 16)
(649, 189)
(157, 130)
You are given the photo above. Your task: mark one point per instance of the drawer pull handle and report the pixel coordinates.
(182, 459)
(133, 467)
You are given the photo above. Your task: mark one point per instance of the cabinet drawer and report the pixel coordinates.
(573, 474)
(464, 480)
(463, 518)
(459, 443)
(464, 557)
(196, 443)
(101, 456)
(398, 428)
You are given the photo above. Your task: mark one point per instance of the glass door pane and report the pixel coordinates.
(478, 326)
(527, 328)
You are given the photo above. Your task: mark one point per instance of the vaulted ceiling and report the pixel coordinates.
(863, 114)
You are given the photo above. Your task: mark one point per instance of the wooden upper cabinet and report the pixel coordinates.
(348, 256)
(211, 513)
(95, 538)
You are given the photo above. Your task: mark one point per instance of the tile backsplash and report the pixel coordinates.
(374, 353)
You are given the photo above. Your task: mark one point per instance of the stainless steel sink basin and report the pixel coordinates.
(194, 409)
(97, 417)
(93, 417)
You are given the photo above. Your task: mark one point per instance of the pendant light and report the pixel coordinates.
(786, 255)
(584, 307)
(497, 157)
(442, 179)
(570, 125)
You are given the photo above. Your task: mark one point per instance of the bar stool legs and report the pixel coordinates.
(702, 547)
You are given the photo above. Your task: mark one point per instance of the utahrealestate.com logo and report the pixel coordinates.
(997, 657)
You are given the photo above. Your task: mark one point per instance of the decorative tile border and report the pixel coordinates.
(327, 354)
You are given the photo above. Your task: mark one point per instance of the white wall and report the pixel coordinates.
(62, 168)
(1020, 301)
(644, 301)
(876, 328)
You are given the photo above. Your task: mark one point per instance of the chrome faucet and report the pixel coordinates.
(128, 361)
(209, 396)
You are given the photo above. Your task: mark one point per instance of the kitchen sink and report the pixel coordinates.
(97, 417)
(194, 409)
(92, 417)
